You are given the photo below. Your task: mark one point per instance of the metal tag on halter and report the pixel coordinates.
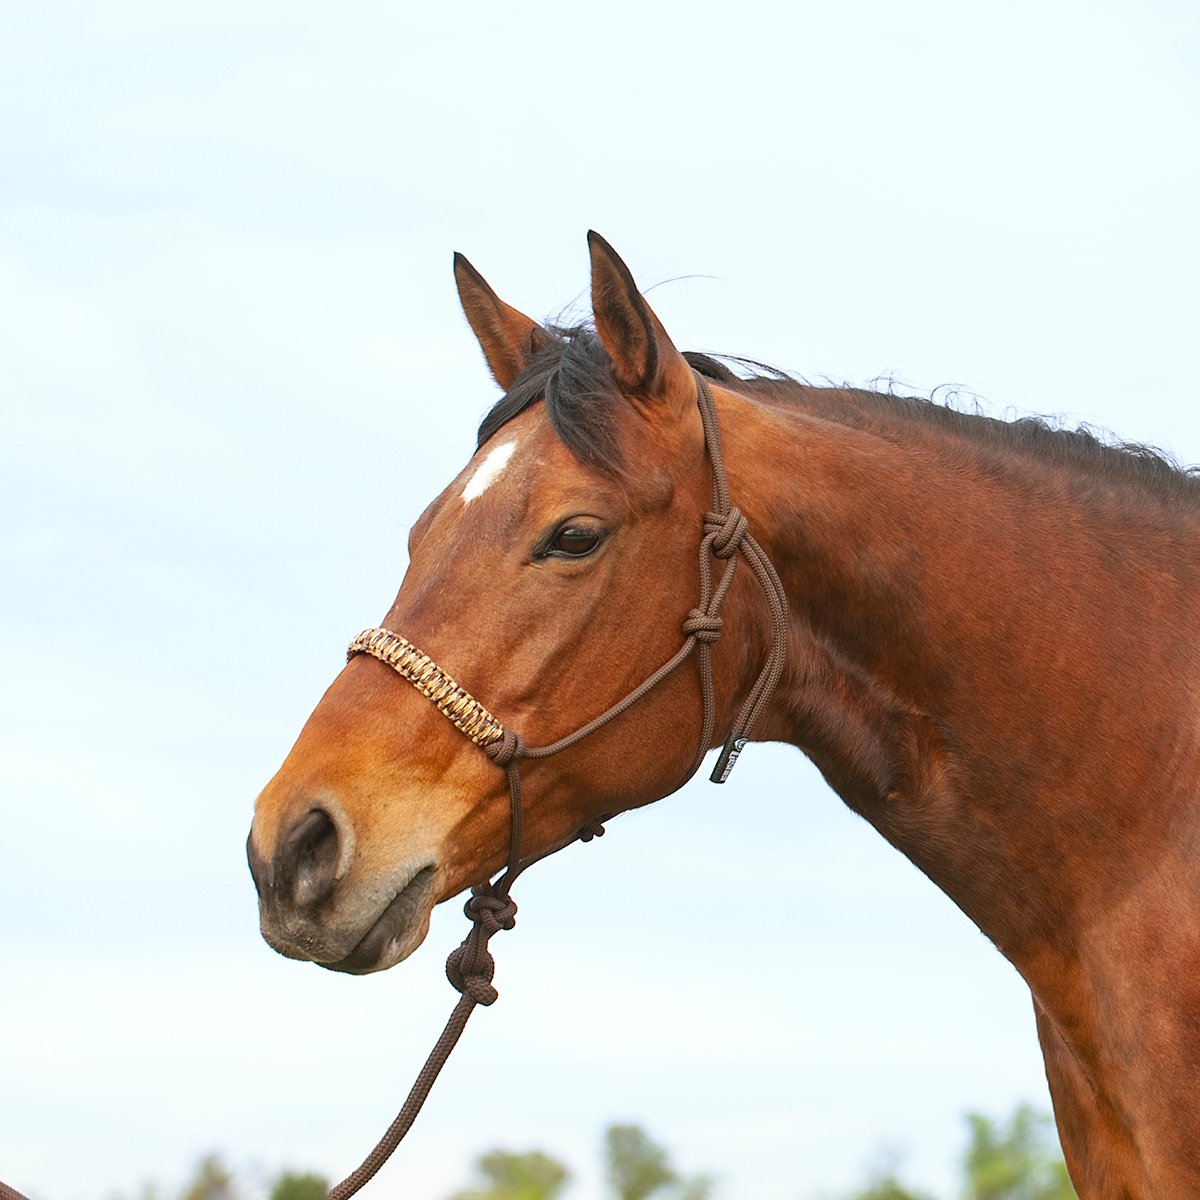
(728, 757)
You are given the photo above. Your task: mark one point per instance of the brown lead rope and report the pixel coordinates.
(470, 967)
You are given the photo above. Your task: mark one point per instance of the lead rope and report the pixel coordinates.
(470, 967)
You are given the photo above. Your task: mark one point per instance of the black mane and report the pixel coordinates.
(573, 376)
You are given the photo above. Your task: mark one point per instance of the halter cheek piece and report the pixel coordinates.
(470, 967)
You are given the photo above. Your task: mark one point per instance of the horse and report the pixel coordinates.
(990, 631)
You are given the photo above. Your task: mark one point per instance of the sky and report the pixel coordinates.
(234, 373)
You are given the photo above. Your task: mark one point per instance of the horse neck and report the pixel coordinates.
(993, 658)
(952, 665)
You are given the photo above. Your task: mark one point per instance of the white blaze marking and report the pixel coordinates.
(488, 471)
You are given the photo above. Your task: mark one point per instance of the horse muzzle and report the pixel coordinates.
(311, 906)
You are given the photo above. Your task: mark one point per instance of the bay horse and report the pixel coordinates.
(991, 655)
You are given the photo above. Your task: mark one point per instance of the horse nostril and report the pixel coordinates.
(259, 867)
(306, 866)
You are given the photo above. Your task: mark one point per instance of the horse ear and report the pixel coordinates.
(643, 357)
(509, 339)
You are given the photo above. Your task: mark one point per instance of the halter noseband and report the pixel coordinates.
(454, 702)
(470, 966)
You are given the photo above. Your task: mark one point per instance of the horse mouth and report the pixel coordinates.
(397, 931)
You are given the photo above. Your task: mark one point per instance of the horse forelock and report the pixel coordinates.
(575, 379)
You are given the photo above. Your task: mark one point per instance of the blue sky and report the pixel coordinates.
(235, 372)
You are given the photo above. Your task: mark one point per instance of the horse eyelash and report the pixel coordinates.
(542, 549)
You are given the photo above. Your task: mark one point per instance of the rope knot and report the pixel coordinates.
(470, 975)
(492, 912)
(703, 626)
(594, 828)
(502, 752)
(728, 531)
(470, 966)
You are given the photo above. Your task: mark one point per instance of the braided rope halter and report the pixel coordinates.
(470, 967)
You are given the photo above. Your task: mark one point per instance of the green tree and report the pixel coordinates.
(1014, 1162)
(886, 1186)
(212, 1181)
(532, 1176)
(299, 1187)
(638, 1167)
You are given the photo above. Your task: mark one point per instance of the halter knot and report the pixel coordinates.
(493, 912)
(594, 828)
(472, 978)
(509, 746)
(728, 531)
(470, 966)
(703, 626)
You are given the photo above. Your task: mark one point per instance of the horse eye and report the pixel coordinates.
(575, 541)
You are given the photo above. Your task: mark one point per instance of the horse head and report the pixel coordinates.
(551, 576)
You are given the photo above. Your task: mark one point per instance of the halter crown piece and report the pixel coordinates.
(470, 967)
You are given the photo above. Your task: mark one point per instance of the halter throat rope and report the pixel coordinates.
(470, 967)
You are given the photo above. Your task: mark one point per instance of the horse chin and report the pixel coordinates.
(397, 931)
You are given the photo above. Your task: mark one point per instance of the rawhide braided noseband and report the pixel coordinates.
(470, 966)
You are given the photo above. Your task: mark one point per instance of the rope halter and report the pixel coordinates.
(470, 967)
